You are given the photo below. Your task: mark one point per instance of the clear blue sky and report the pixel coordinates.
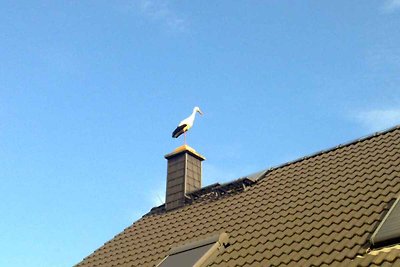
(90, 92)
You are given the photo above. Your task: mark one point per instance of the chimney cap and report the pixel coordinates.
(183, 149)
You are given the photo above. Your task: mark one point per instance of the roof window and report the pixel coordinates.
(196, 254)
(388, 231)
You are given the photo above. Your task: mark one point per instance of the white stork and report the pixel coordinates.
(186, 124)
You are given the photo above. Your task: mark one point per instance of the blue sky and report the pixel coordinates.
(90, 92)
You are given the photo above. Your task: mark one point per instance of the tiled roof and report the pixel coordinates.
(384, 258)
(320, 210)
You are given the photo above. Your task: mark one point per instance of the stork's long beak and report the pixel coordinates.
(201, 113)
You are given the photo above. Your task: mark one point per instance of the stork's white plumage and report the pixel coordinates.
(186, 124)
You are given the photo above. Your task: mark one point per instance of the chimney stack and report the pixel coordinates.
(183, 175)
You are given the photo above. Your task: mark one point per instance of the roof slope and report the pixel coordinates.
(320, 210)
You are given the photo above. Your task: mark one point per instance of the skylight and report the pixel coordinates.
(388, 231)
(196, 254)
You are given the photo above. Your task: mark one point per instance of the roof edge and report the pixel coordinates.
(324, 151)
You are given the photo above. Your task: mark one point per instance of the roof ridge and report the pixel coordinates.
(210, 192)
(324, 151)
(253, 178)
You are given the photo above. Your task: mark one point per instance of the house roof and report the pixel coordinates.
(319, 210)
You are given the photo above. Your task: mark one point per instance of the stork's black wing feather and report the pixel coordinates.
(178, 131)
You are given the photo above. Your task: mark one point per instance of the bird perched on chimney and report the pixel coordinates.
(186, 124)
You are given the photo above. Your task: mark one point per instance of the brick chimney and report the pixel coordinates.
(183, 175)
